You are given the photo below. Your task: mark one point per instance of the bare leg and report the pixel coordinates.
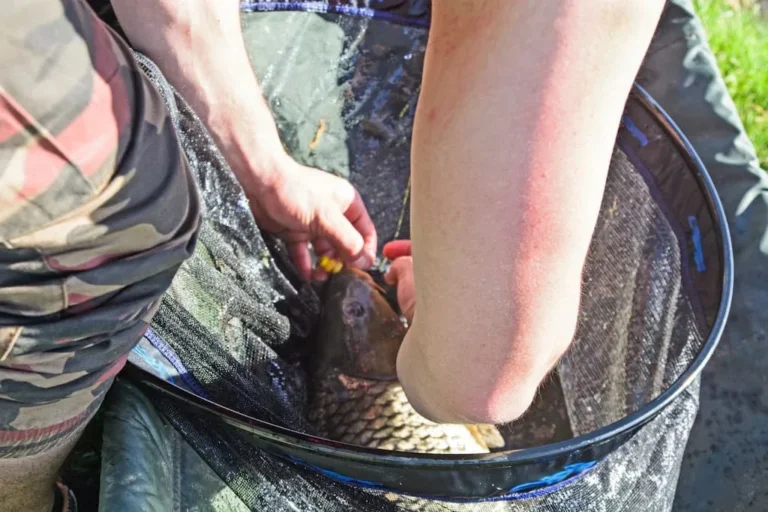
(28, 482)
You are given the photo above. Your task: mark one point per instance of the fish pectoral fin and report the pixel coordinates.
(487, 435)
(475, 433)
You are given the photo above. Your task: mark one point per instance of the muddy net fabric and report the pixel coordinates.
(236, 324)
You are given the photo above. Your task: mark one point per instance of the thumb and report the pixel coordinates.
(400, 269)
(397, 248)
(342, 235)
(299, 254)
(401, 275)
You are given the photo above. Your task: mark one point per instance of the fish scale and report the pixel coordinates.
(387, 422)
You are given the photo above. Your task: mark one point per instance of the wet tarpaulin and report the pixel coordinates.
(234, 327)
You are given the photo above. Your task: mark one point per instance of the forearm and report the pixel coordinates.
(199, 47)
(518, 114)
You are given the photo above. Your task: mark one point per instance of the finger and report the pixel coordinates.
(318, 274)
(401, 274)
(322, 248)
(337, 229)
(291, 237)
(390, 277)
(358, 216)
(401, 268)
(397, 248)
(299, 254)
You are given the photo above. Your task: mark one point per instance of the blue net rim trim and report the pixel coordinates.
(327, 8)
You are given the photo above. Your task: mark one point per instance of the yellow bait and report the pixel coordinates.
(330, 265)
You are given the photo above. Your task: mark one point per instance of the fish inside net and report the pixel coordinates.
(237, 321)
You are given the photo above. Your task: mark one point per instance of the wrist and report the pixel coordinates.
(243, 128)
(260, 168)
(184, 38)
(225, 94)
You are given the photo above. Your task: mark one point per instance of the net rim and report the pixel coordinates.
(288, 438)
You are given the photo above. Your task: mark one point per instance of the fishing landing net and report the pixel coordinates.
(235, 325)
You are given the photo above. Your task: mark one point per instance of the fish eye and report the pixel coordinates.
(355, 309)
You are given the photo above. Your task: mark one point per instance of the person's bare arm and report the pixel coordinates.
(199, 47)
(519, 110)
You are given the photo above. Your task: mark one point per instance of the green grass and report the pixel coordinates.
(738, 37)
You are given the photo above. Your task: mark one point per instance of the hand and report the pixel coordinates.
(305, 205)
(400, 274)
(298, 204)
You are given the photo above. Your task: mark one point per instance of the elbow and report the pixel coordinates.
(502, 404)
(490, 393)
(501, 390)
(501, 395)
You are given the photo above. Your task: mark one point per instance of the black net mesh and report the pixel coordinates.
(637, 329)
(237, 320)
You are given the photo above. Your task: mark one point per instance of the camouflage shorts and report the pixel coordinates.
(97, 212)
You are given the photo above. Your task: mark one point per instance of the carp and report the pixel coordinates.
(354, 395)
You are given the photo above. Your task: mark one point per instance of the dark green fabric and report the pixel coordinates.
(147, 466)
(138, 454)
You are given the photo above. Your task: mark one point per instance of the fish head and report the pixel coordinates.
(360, 332)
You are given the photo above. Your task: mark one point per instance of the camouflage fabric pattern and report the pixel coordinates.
(97, 212)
